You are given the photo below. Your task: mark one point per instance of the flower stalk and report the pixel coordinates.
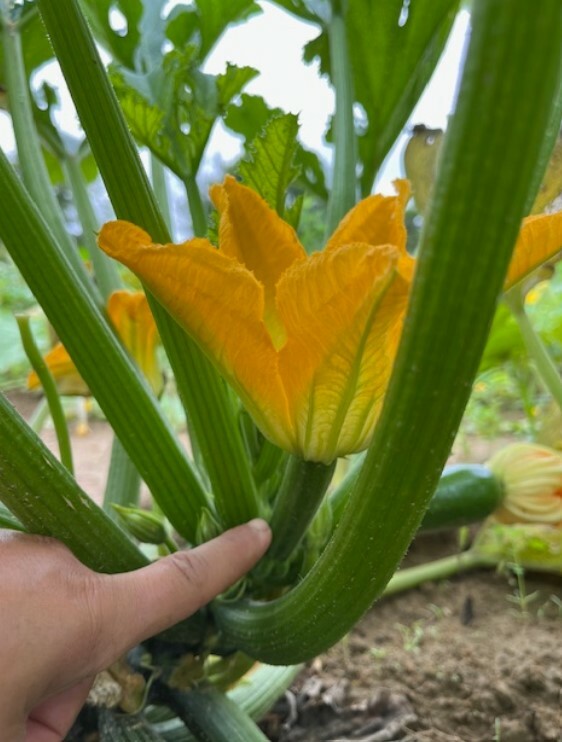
(299, 496)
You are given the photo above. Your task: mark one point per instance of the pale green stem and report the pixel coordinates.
(344, 179)
(545, 366)
(160, 188)
(123, 481)
(30, 156)
(105, 271)
(39, 416)
(49, 388)
(440, 569)
(196, 207)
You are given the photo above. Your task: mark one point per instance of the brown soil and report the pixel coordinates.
(478, 657)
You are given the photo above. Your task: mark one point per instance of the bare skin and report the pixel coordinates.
(61, 623)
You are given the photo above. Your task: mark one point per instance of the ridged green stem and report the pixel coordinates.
(202, 391)
(123, 480)
(299, 496)
(212, 716)
(50, 390)
(440, 569)
(44, 496)
(546, 368)
(343, 195)
(510, 80)
(105, 270)
(116, 383)
(30, 156)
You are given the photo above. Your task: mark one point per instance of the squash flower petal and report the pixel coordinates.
(307, 342)
(131, 316)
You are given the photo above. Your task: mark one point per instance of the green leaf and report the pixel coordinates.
(393, 53)
(215, 15)
(504, 342)
(270, 167)
(316, 11)
(250, 115)
(173, 110)
(121, 44)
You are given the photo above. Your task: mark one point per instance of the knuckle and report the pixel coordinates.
(192, 568)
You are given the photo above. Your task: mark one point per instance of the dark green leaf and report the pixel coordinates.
(393, 51)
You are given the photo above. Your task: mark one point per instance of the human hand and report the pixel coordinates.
(61, 623)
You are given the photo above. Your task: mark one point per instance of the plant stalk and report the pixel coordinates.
(440, 569)
(344, 178)
(49, 388)
(160, 187)
(105, 270)
(547, 369)
(30, 156)
(299, 496)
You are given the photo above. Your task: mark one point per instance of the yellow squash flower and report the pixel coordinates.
(130, 315)
(308, 342)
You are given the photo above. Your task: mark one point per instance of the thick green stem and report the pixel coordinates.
(105, 270)
(406, 579)
(544, 363)
(43, 495)
(299, 496)
(49, 388)
(510, 80)
(344, 177)
(116, 383)
(202, 391)
(123, 480)
(212, 716)
(30, 156)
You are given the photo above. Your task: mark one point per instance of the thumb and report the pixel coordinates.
(136, 605)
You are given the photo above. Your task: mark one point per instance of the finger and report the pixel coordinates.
(51, 720)
(139, 604)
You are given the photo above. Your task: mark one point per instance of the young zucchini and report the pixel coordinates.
(466, 493)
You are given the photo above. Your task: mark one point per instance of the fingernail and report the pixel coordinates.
(259, 525)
